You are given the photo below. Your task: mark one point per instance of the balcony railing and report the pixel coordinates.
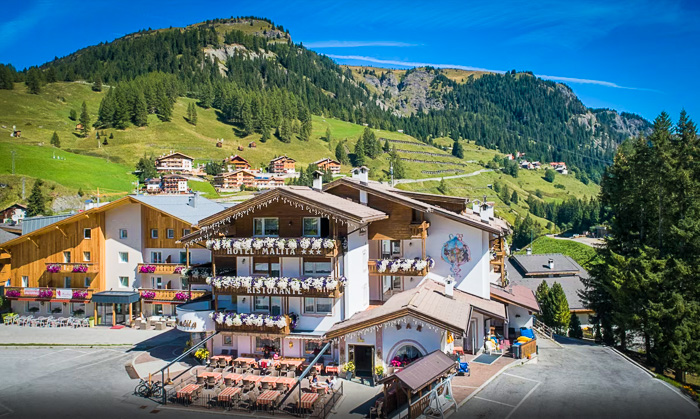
(419, 230)
(309, 287)
(400, 267)
(49, 293)
(79, 267)
(160, 268)
(275, 246)
(232, 322)
(169, 296)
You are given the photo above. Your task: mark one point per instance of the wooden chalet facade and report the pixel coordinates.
(174, 184)
(174, 163)
(282, 165)
(237, 163)
(328, 164)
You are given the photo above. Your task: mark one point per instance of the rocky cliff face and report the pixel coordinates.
(412, 94)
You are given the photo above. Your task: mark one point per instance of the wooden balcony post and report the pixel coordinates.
(114, 314)
(131, 313)
(187, 256)
(422, 243)
(95, 310)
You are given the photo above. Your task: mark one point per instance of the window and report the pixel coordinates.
(267, 344)
(312, 227)
(263, 227)
(185, 231)
(407, 354)
(183, 257)
(391, 249)
(272, 305)
(86, 256)
(124, 281)
(318, 305)
(154, 233)
(56, 308)
(86, 283)
(158, 309)
(266, 266)
(123, 257)
(392, 283)
(156, 257)
(123, 234)
(228, 340)
(317, 268)
(66, 282)
(313, 347)
(87, 233)
(183, 282)
(66, 257)
(157, 283)
(170, 233)
(25, 281)
(78, 308)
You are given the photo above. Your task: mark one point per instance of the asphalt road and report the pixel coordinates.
(578, 381)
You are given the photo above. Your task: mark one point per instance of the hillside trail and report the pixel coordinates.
(478, 172)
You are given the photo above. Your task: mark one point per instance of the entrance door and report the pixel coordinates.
(364, 360)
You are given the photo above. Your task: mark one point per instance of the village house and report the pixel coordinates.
(175, 184)
(232, 181)
(154, 185)
(112, 262)
(381, 273)
(560, 167)
(174, 162)
(328, 164)
(236, 162)
(282, 165)
(14, 214)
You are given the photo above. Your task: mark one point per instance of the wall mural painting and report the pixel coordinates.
(456, 253)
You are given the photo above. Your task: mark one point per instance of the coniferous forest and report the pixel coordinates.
(269, 84)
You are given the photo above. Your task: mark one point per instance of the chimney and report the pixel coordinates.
(550, 264)
(450, 286)
(318, 181)
(192, 201)
(528, 251)
(361, 174)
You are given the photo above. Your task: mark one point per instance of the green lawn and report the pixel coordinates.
(581, 253)
(205, 188)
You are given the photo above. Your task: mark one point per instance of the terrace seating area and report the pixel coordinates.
(45, 321)
(249, 384)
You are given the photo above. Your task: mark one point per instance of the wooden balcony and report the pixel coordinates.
(419, 230)
(197, 279)
(41, 294)
(286, 252)
(71, 267)
(169, 296)
(274, 292)
(373, 270)
(264, 330)
(161, 268)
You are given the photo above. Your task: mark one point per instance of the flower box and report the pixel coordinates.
(147, 269)
(148, 295)
(182, 296)
(80, 294)
(411, 267)
(80, 268)
(254, 323)
(45, 294)
(179, 269)
(277, 285)
(13, 293)
(53, 268)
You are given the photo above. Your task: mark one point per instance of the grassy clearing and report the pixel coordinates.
(584, 255)
(205, 188)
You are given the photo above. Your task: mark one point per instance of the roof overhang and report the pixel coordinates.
(116, 297)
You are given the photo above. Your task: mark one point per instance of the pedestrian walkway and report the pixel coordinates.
(464, 386)
(101, 335)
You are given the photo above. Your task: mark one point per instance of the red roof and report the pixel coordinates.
(517, 295)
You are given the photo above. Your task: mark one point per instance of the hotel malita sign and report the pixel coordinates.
(64, 293)
(31, 292)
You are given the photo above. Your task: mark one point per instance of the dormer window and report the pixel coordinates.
(266, 227)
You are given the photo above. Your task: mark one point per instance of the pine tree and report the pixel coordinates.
(542, 293)
(457, 150)
(105, 114)
(73, 115)
(505, 195)
(36, 204)
(140, 111)
(165, 108)
(97, 84)
(328, 134)
(246, 120)
(285, 134)
(397, 163)
(7, 77)
(359, 159)
(55, 141)
(33, 81)
(84, 120)
(193, 117)
(575, 330)
(306, 126)
(146, 167)
(340, 154)
(387, 146)
(514, 197)
(121, 115)
(442, 187)
(557, 309)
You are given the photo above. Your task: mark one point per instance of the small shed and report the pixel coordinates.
(240, 148)
(421, 384)
(252, 144)
(78, 127)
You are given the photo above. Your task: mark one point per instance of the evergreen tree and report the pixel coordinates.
(575, 330)
(55, 141)
(442, 187)
(514, 197)
(7, 77)
(36, 204)
(340, 154)
(387, 146)
(557, 309)
(246, 120)
(33, 81)
(97, 84)
(359, 159)
(328, 134)
(105, 114)
(80, 192)
(122, 113)
(146, 167)
(306, 126)
(549, 175)
(457, 150)
(285, 132)
(505, 195)
(84, 120)
(193, 117)
(524, 231)
(165, 108)
(140, 112)
(541, 294)
(397, 163)
(73, 115)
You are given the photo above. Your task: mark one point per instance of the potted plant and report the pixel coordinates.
(79, 312)
(378, 372)
(349, 370)
(201, 354)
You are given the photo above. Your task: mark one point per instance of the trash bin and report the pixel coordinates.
(92, 322)
(516, 350)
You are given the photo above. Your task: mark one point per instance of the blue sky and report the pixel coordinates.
(639, 56)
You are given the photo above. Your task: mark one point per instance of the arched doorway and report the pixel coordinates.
(405, 355)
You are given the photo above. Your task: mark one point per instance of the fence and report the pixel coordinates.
(325, 410)
(437, 172)
(432, 162)
(405, 142)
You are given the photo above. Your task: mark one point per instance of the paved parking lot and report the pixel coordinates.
(577, 381)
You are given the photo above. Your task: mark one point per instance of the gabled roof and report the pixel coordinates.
(328, 159)
(427, 302)
(16, 204)
(237, 157)
(535, 265)
(413, 200)
(30, 224)
(518, 295)
(283, 158)
(175, 154)
(424, 371)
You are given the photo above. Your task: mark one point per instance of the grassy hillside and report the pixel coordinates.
(579, 252)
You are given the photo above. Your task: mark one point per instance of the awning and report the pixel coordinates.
(424, 371)
(305, 335)
(116, 297)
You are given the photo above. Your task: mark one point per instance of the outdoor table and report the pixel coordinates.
(288, 381)
(243, 360)
(207, 374)
(264, 363)
(317, 366)
(268, 397)
(321, 388)
(187, 391)
(293, 363)
(332, 369)
(269, 379)
(233, 377)
(307, 400)
(252, 378)
(226, 358)
(228, 393)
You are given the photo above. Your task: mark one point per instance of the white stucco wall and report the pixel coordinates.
(357, 274)
(427, 340)
(525, 319)
(123, 217)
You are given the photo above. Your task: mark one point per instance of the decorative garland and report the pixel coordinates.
(404, 265)
(280, 284)
(306, 244)
(233, 319)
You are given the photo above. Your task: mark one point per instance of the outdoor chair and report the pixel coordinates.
(274, 373)
(53, 322)
(218, 369)
(9, 319)
(256, 372)
(238, 370)
(24, 320)
(292, 374)
(211, 382)
(281, 387)
(376, 410)
(200, 379)
(85, 322)
(224, 352)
